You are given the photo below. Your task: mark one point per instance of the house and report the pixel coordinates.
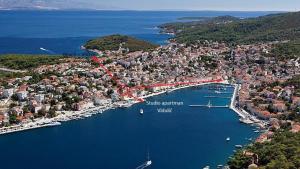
(37, 108)
(39, 98)
(22, 95)
(46, 107)
(8, 93)
(59, 106)
(83, 105)
(16, 110)
(279, 107)
(295, 128)
(264, 137)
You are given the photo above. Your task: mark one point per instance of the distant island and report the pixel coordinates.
(115, 42)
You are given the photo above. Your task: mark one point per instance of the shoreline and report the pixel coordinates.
(64, 116)
(245, 117)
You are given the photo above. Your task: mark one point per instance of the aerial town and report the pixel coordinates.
(78, 87)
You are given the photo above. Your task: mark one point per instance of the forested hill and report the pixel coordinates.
(113, 42)
(284, 26)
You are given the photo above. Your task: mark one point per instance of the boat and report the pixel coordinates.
(148, 162)
(219, 166)
(246, 120)
(141, 111)
(206, 167)
(256, 131)
(238, 146)
(228, 139)
(209, 105)
(145, 164)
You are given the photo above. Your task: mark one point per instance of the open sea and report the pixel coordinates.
(186, 138)
(65, 31)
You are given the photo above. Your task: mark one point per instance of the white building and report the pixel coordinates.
(39, 98)
(8, 93)
(22, 95)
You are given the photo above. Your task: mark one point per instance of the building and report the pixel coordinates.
(8, 93)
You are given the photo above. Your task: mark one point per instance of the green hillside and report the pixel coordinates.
(283, 152)
(113, 42)
(285, 26)
(20, 62)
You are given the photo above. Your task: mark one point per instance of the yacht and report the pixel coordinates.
(206, 167)
(141, 111)
(228, 139)
(238, 146)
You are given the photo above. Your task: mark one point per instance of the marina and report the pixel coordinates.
(209, 105)
(183, 130)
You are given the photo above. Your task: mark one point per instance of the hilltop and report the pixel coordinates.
(113, 42)
(284, 26)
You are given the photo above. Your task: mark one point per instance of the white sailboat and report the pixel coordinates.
(209, 105)
(148, 162)
(145, 164)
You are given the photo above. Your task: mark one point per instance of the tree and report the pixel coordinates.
(13, 118)
(52, 113)
(42, 113)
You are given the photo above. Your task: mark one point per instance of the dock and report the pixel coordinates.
(218, 97)
(209, 105)
(226, 106)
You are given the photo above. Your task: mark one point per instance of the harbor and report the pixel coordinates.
(164, 134)
(63, 116)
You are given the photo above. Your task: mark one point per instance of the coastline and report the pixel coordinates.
(76, 115)
(245, 117)
(64, 116)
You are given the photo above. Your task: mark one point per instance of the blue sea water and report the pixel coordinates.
(186, 138)
(65, 31)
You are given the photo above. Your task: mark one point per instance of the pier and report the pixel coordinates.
(232, 106)
(217, 97)
(226, 106)
(209, 105)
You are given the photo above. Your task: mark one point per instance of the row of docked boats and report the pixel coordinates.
(28, 126)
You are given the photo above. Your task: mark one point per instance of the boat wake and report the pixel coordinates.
(46, 50)
(144, 165)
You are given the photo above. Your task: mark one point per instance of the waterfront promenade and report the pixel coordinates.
(245, 117)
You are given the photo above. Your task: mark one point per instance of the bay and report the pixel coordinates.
(188, 137)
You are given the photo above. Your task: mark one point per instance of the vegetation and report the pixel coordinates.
(295, 81)
(273, 27)
(113, 42)
(198, 21)
(282, 152)
(217, 19)
(5, 75)
(21, 62)
(289, 50)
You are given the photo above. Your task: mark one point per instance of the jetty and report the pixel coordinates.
(209, 105)
(245, 116)
(217, 97)
(232, 106)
